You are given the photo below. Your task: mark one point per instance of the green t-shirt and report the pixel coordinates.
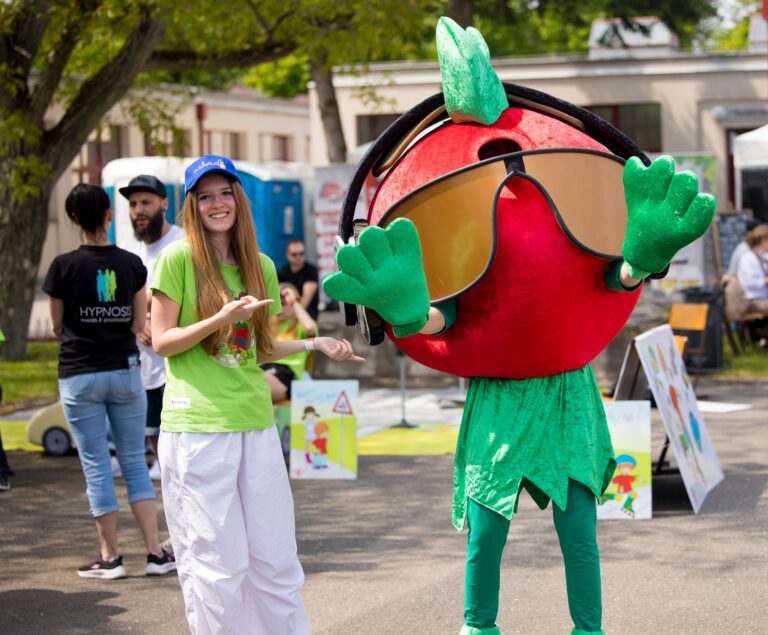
(222, 393)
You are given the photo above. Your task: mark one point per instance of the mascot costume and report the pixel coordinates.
(508, 242)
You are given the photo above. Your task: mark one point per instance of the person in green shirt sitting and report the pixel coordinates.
(292, 323)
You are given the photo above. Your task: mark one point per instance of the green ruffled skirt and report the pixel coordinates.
(533, 433)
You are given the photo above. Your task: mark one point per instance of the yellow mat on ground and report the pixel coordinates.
(14, 435)
(427, 438)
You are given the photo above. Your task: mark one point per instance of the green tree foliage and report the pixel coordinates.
(736, 37)
(286, 77)
(65, 63)
(532, 27)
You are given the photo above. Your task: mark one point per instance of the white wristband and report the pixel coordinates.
(309, 345)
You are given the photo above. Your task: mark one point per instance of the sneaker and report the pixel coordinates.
(160, 565)
(154, 471)
(5, 483)
(116, 471)
(102, 569)
(167, 545)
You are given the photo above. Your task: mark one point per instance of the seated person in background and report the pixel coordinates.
(293, 323)
(302, 275)
(743, 247)
(752, 270)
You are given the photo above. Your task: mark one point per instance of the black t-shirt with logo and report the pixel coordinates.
(308, 273)
(97, 286)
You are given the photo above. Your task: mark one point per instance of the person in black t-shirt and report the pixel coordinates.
(302, 275)
(98, 304)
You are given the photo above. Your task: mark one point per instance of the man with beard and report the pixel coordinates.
(148, 202)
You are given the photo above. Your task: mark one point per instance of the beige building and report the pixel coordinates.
(242, 125)
(665, 100)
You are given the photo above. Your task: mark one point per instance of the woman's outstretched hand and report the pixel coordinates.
(242, 309)
(339, 350)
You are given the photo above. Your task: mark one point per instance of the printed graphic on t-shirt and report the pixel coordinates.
(106, 285)
(239, 349)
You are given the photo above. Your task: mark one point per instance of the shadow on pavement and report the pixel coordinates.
(47, 611)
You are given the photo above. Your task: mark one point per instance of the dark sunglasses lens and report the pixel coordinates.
(454, 218)
(587, 193)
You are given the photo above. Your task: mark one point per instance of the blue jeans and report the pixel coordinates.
(87, 400)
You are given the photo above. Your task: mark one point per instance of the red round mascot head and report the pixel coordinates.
(516, 231)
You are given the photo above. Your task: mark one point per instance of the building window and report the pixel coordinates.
(175, 142)
(369, 127)
(106, 145)
(226, 143)
(236, 145)
(640, 122)
(181, 142)
(282, 147)
(149, 146)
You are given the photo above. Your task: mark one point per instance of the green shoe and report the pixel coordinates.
(473, 630)
(578, 631)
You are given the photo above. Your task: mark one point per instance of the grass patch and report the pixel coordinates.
(33, 378)
(750, 364)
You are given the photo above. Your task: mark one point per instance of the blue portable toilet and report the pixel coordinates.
(118, 173)
(276, 201)
(274, 192)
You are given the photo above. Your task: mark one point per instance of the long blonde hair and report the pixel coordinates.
(212, 292)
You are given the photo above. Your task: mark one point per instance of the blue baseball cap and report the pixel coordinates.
(207, 164)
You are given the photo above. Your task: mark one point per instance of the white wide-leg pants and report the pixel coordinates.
(229, 510)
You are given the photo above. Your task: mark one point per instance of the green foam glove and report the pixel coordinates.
(578, 631)
(473, 90)
(666, 213)
(384, 272)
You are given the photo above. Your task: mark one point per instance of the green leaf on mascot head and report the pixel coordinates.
(473, 91)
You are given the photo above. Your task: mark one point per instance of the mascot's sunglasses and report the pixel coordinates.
(455, 214)
(403, 132)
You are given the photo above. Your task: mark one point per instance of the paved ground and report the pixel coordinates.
(381, 557)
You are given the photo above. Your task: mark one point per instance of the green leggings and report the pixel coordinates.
(576, 530)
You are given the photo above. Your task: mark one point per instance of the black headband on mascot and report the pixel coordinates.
(519, 97)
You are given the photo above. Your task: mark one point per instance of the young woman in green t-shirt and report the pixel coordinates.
(226, 494)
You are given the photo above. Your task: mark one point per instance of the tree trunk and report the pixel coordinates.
(461, 11)
(23, 225)
(329, 111)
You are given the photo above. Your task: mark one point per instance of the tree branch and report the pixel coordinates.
(19, 48)
(257, 14)
(189, 61)
(50, 74)
(98, 94)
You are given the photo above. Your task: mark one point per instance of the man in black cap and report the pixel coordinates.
(148, 203)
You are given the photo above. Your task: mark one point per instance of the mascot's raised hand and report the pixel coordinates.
(384, 272)
(666, 213)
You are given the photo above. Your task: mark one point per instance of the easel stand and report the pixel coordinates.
(404, 423)
(661, 466)
(653, 360)
(633, 385)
